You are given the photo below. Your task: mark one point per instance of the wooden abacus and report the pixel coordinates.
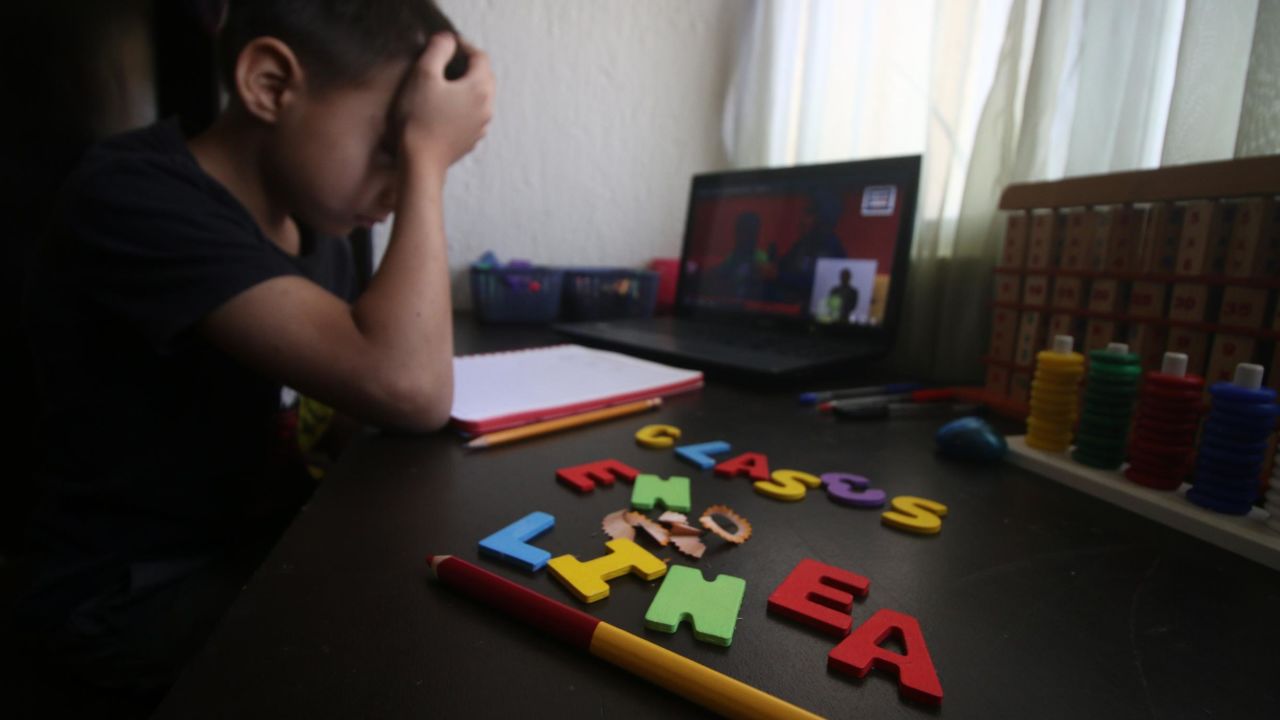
(1183, 258)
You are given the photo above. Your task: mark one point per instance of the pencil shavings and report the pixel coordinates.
(655, 531)
(690, 545)
(742, 531)
(617, 527)
(678, 524)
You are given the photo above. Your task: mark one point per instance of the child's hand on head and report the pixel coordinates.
(442, 120)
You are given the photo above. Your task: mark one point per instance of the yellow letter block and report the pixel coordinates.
(657, 436)
(587, 580)
(787, 485)
(915, 514)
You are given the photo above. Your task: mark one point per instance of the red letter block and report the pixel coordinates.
(752, 465)
(820, 596)
(858, 653)
(583, 478)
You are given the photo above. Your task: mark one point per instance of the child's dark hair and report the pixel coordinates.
(337, 41)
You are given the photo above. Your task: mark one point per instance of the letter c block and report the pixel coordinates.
(853, 490)
(820, 596)
(657, 437)
(587, 580)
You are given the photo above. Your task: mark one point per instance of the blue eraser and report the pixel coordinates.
(808, 398)
(971, 438)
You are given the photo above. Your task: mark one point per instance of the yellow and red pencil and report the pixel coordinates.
(694, 681)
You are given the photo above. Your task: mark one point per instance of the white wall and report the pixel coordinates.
(605, 109)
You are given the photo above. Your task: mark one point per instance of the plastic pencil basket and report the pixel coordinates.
(604, 293)
(516, 295)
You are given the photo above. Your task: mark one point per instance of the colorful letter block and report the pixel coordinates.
(854, 490)
(820, 596)
(787, 485)
(511, 543)
(657, 437)
(673, 493)
(751, 464)
(587, 580)
(583, 478)
(711, 607)
(861, 651)
(915, 514)
(699, 455)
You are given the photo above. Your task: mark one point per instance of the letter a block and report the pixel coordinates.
(583, 478)
(511, 543)
(587, 580)
(820, 596)
(711, 607)
(861, 651)
(673, 493)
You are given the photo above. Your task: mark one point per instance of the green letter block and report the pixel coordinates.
(651, 489)
(712, 607)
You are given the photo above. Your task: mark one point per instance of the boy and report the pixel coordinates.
(186, 280)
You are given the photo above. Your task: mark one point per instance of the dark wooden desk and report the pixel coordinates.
(1035, 600)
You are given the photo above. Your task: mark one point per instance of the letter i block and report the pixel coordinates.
(700, 455)
(861, 651)
(583, 478)
(711, 607)
(587, 580)
(820, 596)
(511, 543)
(673, 493)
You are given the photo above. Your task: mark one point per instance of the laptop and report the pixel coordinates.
(783, 271)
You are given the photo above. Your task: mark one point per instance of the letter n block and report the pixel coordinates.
(711, 607)
(583, 478)
(820, 596)
(588, 580)
(861, 651)
(673, 493)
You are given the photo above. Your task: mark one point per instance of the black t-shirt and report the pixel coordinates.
(159, 446)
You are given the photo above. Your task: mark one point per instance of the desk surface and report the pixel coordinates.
(1035, 600)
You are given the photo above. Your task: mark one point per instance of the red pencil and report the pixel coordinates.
(699, 683)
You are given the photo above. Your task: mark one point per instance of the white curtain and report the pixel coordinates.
(994, 92)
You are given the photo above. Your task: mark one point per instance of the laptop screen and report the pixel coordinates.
(821, 244)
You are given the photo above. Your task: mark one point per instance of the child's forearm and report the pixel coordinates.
(405, 313)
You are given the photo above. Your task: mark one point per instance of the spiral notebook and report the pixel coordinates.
(503, 390)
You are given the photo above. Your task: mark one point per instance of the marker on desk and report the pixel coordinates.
(699, 683)
(918, 396)
(894, 410)
(821, 396)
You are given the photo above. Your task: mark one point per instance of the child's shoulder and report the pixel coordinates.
(147, 166)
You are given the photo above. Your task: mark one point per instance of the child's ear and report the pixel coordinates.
(268, 76)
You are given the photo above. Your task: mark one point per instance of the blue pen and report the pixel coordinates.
(821, 396)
